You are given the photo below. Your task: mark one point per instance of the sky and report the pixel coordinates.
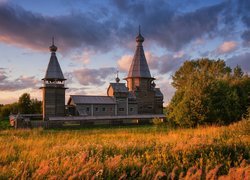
(96, 38)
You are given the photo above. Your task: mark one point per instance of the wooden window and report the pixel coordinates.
(121, 109)
(131, 109)
(87, 109)
(103, 109)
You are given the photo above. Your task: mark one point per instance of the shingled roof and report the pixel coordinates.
(83, 99)
(54, 71)
(119, 87)
(139, 65)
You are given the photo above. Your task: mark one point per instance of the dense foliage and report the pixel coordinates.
(137, 152)
(207, 92)
(25, 105)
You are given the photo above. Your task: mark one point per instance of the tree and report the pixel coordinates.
(36, 106)
(8, 109)
(238, 73)
(24, 104)
(208, 92)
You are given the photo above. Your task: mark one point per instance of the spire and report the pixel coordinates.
(139, 38)
(53, 72)
(53, 48)
(117, 79)
(139, 65)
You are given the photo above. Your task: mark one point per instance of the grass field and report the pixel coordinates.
(141, 152)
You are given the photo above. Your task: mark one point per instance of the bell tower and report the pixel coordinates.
(139, 80)
(53, 87)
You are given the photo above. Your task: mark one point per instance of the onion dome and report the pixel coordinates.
(53, 48)
(139, 38)
(117, 79)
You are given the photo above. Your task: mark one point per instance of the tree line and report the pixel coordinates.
(208, 92)
(25, 105)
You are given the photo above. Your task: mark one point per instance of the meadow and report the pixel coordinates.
(127, 152)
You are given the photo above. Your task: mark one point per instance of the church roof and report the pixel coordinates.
(54, 71)
(84, 99)
(139, 65)
(119, 87)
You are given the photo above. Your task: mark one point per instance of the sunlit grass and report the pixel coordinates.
(126, 152)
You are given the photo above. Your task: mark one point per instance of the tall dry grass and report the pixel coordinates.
(127, 153)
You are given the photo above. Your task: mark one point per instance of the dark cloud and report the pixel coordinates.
(168, 63)
(104, 29)
(242, 60)
(87, 76)
(76, 30)
(185, 28)
(160, 20)
(3, 75)
(18, 84)
(246, 34)
(163, 24)
(244, 13)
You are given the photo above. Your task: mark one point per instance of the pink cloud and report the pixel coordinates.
(20, 83)
(227, 47)
(86, 76)
(83, 57)
(124, 63)
(20, 42)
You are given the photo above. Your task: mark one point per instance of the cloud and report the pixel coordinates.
(227, 47)
(190, 26)
(167, 89)
(124, 63)
(246, 34)
(167, 63)
(32, 30)
(160, 21)
(152, 60)
(18, 84)
(241, 60)
(75, 91)
(2, 74)
(87, 76)
(170, 64)
(244, 13)
(83, 58)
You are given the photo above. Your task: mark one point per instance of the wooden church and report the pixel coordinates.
(140, 95)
